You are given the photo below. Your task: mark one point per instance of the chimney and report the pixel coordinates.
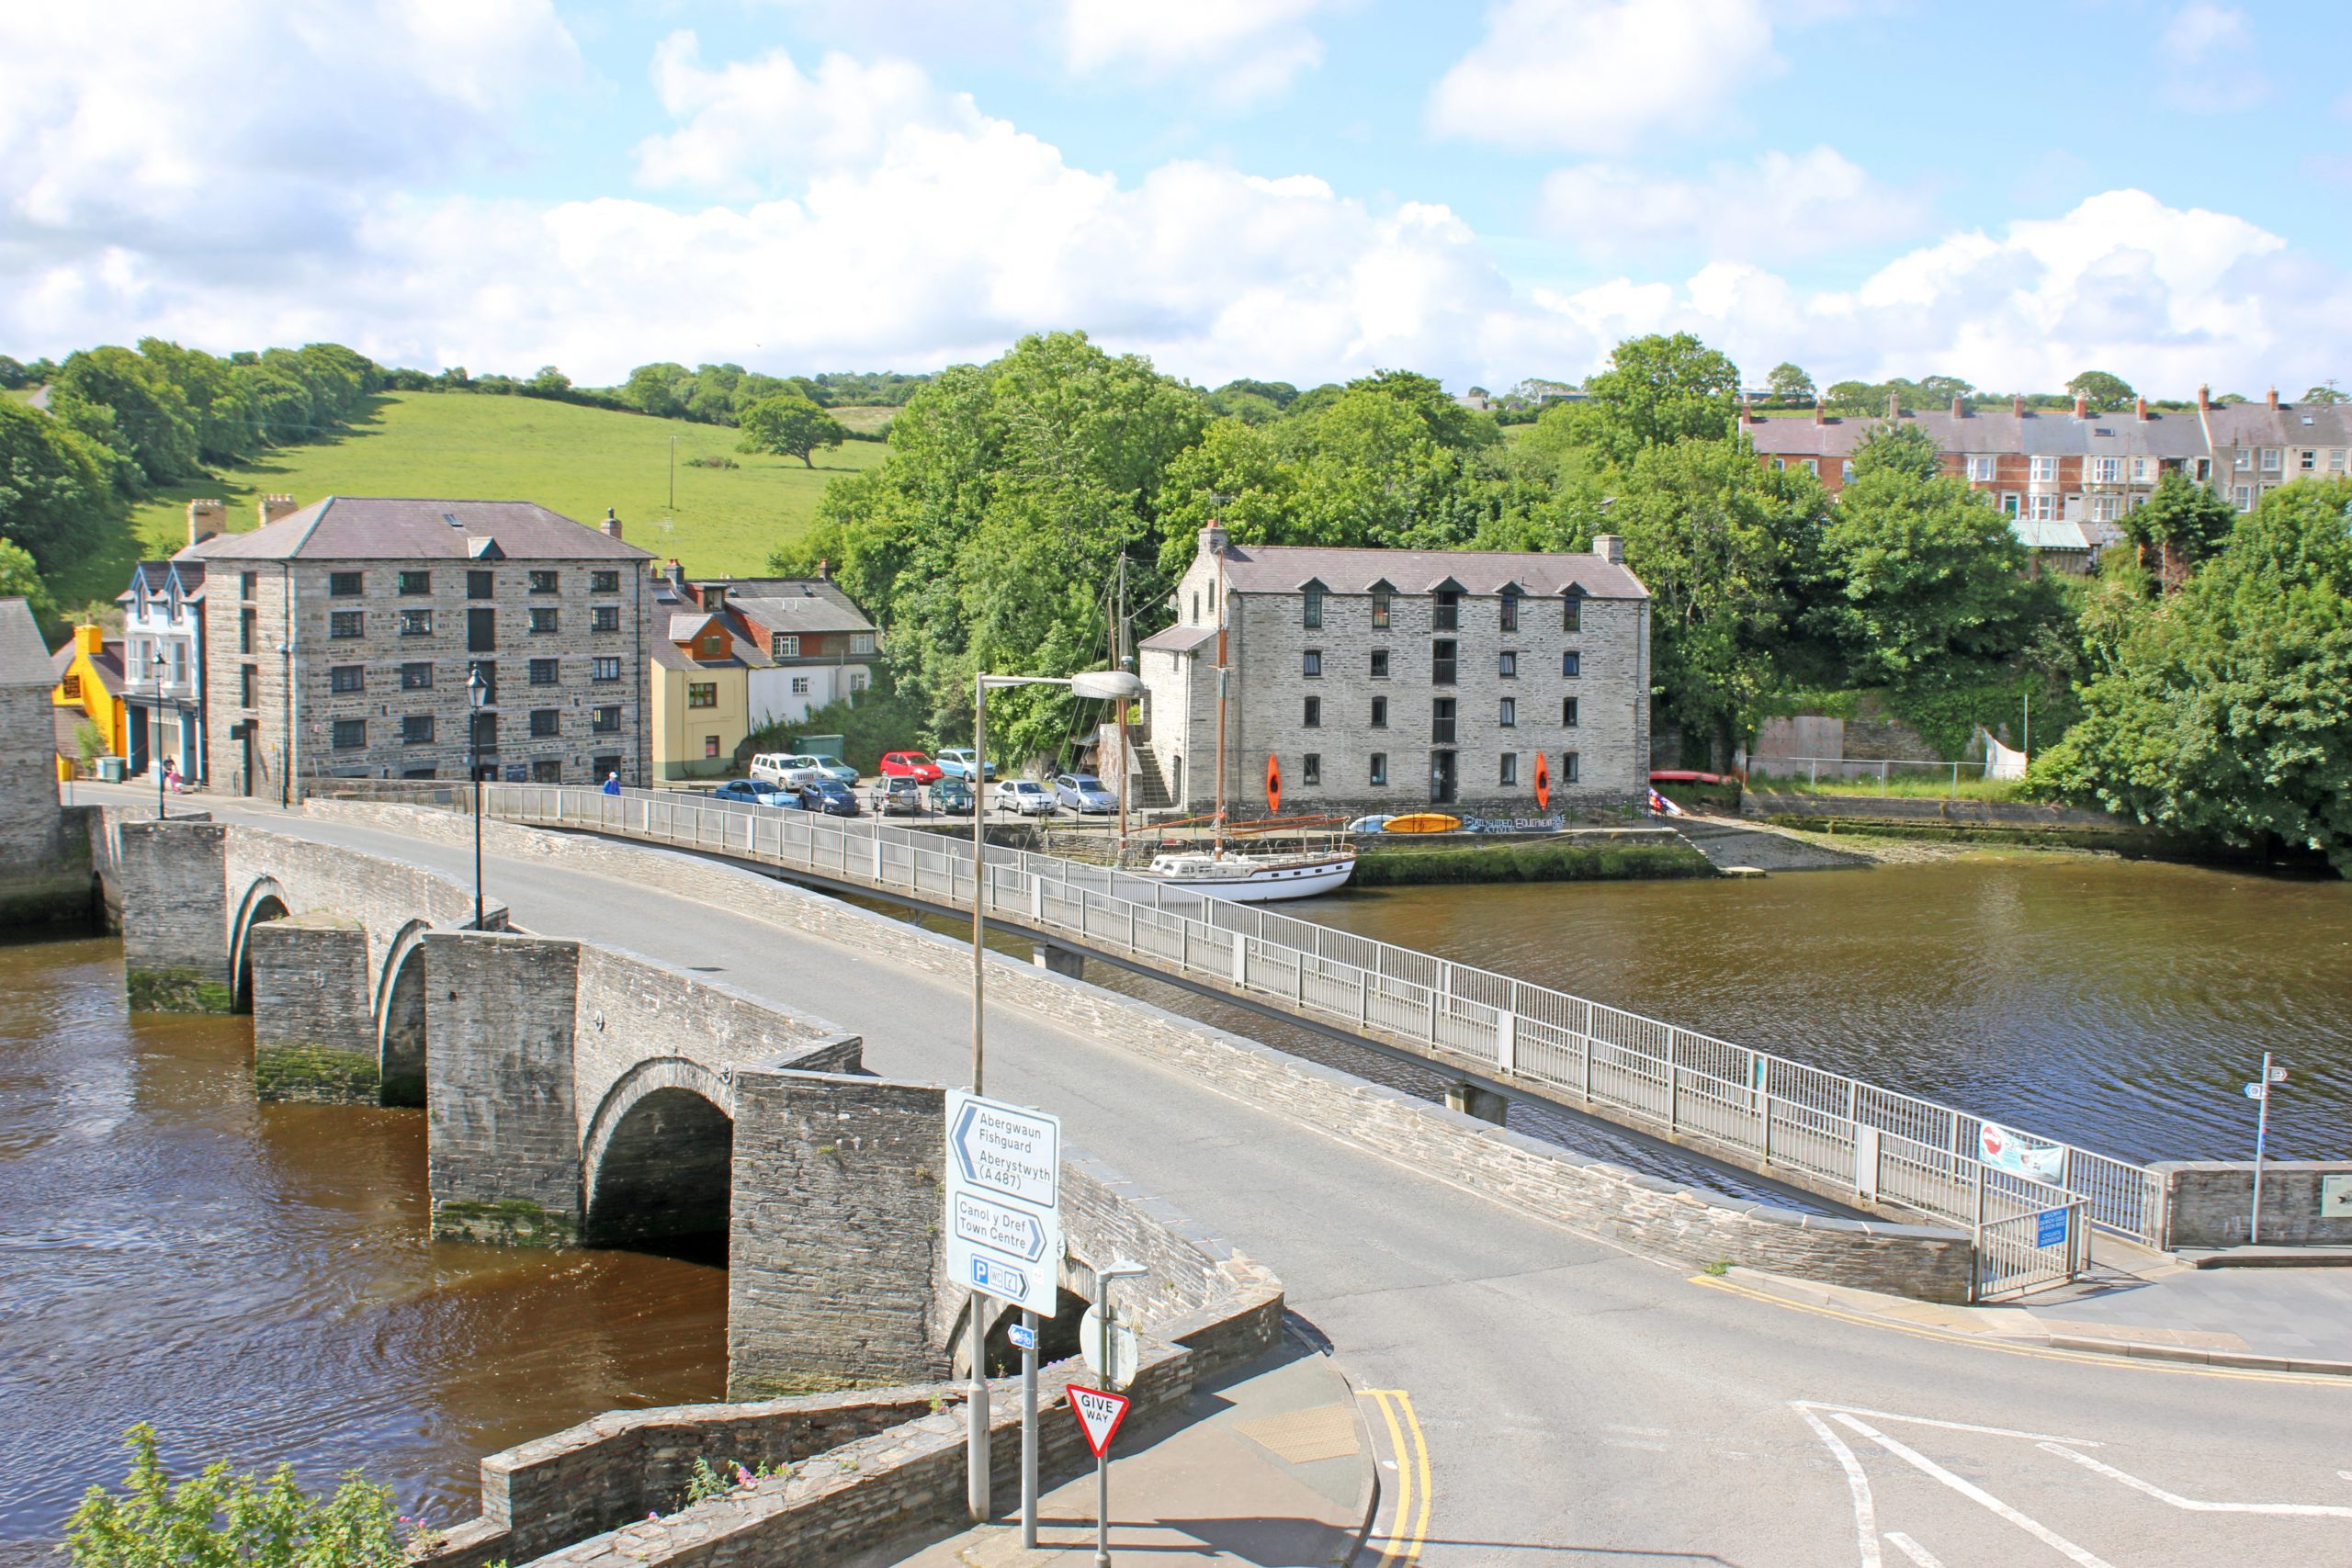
(1893, 404)
(1747, 413)
(273, 507)
(2140, 407)
(824, 571)
(2017, 405)
(611, 524)
(677, 572)
(205, 518)
(1609, 548)
(2204, 396)
(1959, 410)
(2082, 406)
(1213, 539)
(2273, 400)
(1820, 412)
(714, 597)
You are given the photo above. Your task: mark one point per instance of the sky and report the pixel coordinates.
(1297, 190)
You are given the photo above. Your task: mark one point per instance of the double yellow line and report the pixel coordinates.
(1409, 1524)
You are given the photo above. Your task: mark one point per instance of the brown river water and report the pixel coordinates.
(255, 1280)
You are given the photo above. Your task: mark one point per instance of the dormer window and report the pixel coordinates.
(1445, 613)
(1382, 599)
(1510, 607)
(1311, 607)
(1572, 609)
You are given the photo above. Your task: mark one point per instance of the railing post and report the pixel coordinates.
(1506, 1040)
(1240, 961)
(1363, 999)
(1673, 1095)
(1037, 898)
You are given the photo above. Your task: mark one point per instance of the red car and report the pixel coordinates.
(910, 765)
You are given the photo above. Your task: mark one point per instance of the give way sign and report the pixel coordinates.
(1099, 1414)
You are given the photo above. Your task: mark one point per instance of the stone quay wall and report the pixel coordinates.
(2208, 1204)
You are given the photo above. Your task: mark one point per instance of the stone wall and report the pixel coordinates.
(44, 865)
(175, 915)
(2208, 1204)
(314, 1031)
(502, 1117)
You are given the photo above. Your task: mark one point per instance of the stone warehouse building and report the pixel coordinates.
(339, 637)
(1393, 680)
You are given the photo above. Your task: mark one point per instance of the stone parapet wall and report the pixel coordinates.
(2208, 1204)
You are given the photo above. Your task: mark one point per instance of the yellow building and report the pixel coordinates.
(701, 694)
(88, 690)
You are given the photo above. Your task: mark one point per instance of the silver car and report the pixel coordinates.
(1083, 791)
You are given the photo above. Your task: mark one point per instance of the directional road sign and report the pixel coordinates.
(1023, 1338)
(1005, 1228)
(1099, 1414)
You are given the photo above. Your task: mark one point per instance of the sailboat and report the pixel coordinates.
(1220, 873)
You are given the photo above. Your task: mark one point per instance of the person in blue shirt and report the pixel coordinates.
(612, 783)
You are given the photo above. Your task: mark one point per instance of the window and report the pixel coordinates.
(2043, 470)
(1314, 717)
(2103, 470)
(1510, 610)
(1445, 613)
(416, 729)
(482, 631)
(604, 670)
(710, 746)
(1568, 713)
(420, 772)
(416, 583)
(71, 688)
(2335, 459)
(861, 642)
(247, 679)
(1310, 768)
(702, 693)
(486, 731)
(1380, 712)
(350, 734)
(344, 584)
(1196, 606)
(1507, 664)
(1310, 664)
(1380, 767)
(1981, 469)
(603, 618)
(1567, 767)
(248, 583)
(2271, 459)
(2244, 458)
(608, 721)
(417, 623)
(2307, 460)
(2143, 470)
(1778, 464)
(1380, 664)
(546, 672)
(481, 585)
(417, 677)
(1813, 467)
(1441, 662)
(785, 646)
(1572, 610)
(2045, 508)
(1442, 720)
(603, 582)
(1383, 601)
(2105, 508)
(800, 685)
(543, 583)
(345, 624)
(1510, 770)
(348, 678)
(2243, 496)
(547, 769)
(605, 763)
(543, 619)
(857, 680)
(546, 722)
(1509, 714)
(1311, 608)
(1572, 664)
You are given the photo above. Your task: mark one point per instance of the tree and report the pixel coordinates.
(2225, 709)
(2323, 393)
(1790, 384)
(55, 495)
(217, 1518)
(2185, 521)
(790, 425)
(2105, 390)
(152, 414)
(550, 380)
(1658, 390)
(1898, 449)
(20, 579)
(1857, 398)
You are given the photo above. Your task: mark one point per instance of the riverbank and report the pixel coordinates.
(1606, 856)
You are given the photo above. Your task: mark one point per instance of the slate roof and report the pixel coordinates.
(794, 606)
(24, 658)
(2259, 424)
(158, 575)
(1287, 569)
(106, 663)
(411, 528)
(1179, 638)
(2045, 434)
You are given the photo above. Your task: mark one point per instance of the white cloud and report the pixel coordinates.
(2208, 60)
(752, 124)
(1603, 75)
(1778, 206)
(1238, 50)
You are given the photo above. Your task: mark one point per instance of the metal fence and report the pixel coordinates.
(1882, 1145)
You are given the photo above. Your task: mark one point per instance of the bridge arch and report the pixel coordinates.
(400, 1018)
(262, 902)
(658, 1158)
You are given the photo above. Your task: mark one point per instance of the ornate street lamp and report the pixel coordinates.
(477, 694)
(155, 732)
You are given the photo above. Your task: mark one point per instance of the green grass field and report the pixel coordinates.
(576, 461)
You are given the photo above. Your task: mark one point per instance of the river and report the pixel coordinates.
(255, 1280)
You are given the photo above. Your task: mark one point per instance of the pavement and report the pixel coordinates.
(1557, 1400)
(1273, 1466)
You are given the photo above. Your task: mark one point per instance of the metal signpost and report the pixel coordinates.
(2259, 1092)
(1100, 1411)
(1004, 1240)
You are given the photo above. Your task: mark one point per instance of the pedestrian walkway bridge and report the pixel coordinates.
(1857, 1143)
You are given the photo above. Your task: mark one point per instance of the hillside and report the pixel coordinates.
(577, 460)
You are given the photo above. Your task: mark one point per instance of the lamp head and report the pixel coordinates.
(477, 689)
(1106, 683)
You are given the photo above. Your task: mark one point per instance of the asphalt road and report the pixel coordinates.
(1575, 1404)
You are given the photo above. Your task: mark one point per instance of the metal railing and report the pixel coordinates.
(1882, 1145)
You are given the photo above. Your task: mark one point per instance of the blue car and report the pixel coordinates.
(756, 791)
(828, 796)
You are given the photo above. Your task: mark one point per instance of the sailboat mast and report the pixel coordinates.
(1118, 661)
(1216, 830)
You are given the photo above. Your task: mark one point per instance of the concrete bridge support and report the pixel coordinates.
(500, 1101)
(176, 917)
(1471, 1100)
(1058, 961)
(314, 1031)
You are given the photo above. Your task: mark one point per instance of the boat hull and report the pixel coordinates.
(1267, 883)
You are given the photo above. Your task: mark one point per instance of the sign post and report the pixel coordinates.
(2259, 1092)
(1004, 1240)
(1100, 1411)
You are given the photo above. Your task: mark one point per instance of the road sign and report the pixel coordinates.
(2258, 1091)
(1099, 1414)
(1123, 1350)
(2049, 1228)
(2277, 1074)
(1004, 1229)
(1023, 1338)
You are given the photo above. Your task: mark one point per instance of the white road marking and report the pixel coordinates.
(1857, 1484)
(2194, 1505)
(1978, 1496)
(1913, 1551)
(1638, 1431)
(1949, 1426)
(1633, 1443)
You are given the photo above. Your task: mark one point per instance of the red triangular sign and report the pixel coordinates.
(1543, 784)
(1099, 1414)
(1273, 783)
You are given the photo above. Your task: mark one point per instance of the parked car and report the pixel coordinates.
(956, 761)
(756, 792)
(784, 770)
(831, 766)
(1024, 797)
(1083, 791)
(951, 796)
(897, 797)
(828, 796)
(909, 765)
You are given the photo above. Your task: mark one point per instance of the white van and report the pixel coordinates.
(785, 770)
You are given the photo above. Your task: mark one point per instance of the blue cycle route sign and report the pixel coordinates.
(2049, 1228)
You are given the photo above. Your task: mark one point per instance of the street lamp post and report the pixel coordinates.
(477, 694)
(156, 733)
(1116, 685)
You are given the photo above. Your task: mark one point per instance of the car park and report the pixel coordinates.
(957, 763)
(896, 796)
(828, 796)
(756, 792)
(912, 766)
(1024, 798)
(1083, 791)
(784, 769)
(951, 796)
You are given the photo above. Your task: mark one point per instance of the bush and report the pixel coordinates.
(878, 720)
(220, 1519)
(713, 461)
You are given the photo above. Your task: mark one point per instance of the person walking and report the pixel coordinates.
(612, 783)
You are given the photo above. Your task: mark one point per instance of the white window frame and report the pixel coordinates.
(2103, 470)
(2043, 470)
(1982, 469)
(2243, 498)
(2274, 460)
